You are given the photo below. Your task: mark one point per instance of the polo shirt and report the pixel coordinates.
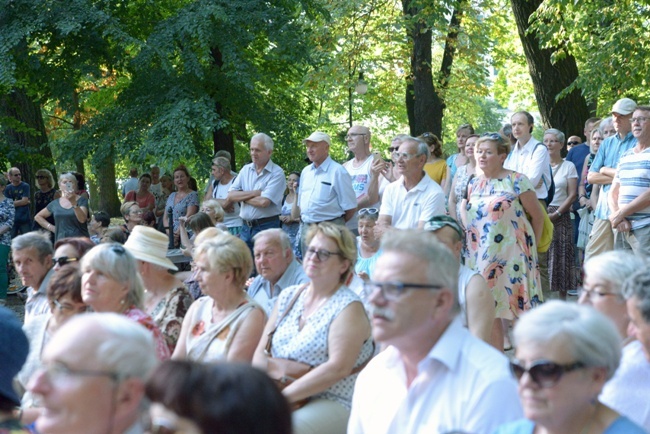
(270, 181)
(408, 208)
(260, 289)
(633, 175)
(325, 192)
(533, 161)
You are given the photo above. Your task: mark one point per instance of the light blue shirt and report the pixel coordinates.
(271, 182)
(260, 289)
(622, 425)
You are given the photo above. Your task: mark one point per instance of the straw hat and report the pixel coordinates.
(149, 245)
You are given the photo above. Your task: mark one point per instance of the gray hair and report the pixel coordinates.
(605, 124)
(223, 153)
(557, 133)
(69, 177)
(638, 287)
(423, 148)
(278, 236)
(37, 240)
(268, 141)
(615, 267)
(222, 162)
(400, 138)
(125, 347)
(118, 263)
(591, 336)
(443, 266)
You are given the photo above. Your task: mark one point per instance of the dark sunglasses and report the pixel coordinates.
(544, 372)
(41, 177)
(573, 143)
(62, 260)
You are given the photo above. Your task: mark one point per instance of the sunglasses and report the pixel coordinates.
(371, 211)
(544, 372)
(493, 136)
(62, 260)
(572, 143)
(41, 177)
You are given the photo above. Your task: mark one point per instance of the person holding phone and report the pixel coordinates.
(70, 211)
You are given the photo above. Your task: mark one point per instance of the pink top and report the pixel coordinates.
(162, 350)
(147, 202)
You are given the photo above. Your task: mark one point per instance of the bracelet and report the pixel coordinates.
(559, 214)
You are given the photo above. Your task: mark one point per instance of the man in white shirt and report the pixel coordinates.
(223, 179)
(434, 376)
(414, 198)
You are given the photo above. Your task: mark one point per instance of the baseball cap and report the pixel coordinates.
(624, 106)
(318, 136)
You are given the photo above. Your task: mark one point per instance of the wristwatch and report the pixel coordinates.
(559, 214)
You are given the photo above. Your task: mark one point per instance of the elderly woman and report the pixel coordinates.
(322, 324)
(165, 296)
(367, 244)
(70, 251)
(189, 397)
(70, 211)
(226, 324)
(64, 297)
(182, 202)
(459, 159)
(7, 214)
(501, 241)
(132, 214)
(45, 194)
(436, 167)
(565, 354)
(214, 210)
(145, 199)
(561, 254)
(464, 173)
(111, 283)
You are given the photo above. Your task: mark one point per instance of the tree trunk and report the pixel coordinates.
(569, 113)
(222, 139)
(106, 187)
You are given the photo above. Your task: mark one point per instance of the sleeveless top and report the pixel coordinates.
(465, 274)
(309, 345)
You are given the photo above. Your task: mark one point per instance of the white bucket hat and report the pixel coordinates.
(149, 245)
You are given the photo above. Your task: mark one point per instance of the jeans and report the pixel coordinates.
(20, 228)
(248, 232)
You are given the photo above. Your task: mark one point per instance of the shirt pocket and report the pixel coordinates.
(324, 191)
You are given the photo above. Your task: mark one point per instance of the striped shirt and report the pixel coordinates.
(633, 175)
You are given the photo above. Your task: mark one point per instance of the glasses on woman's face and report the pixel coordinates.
(63, 307)
(322, 254)
(62, 260)
(41, 177)
(371, 211)
(593, 294)
(544, 372)
(392, 291)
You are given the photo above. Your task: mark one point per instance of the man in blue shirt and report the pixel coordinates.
(18, 191)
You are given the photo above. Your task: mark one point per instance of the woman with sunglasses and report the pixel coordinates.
(367, 243)
(565, 353)
(70, 251)
(70, 211)
(45, 194)
(322, 324)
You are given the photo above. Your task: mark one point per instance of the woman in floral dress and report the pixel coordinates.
(501, 241)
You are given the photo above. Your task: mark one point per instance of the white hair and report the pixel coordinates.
(69, 177)
(614, 266)
(268, 141)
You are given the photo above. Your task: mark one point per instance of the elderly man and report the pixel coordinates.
(414, 198)
(32, 256)
(325, 193)
(259, 188)
(602, 172)
(18, 191)
(276, 267)
(364, 182)
(93, 376)
(474, 296)
(434, 376)
(223, 180)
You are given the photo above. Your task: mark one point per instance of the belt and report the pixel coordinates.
(335, 219)
(257, 222)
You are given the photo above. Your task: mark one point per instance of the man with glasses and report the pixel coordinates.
(433, 376)
(602, 172)
(18, 191)
(414, 198)
(93, 376)
(364, 183)
(325, 193)
(629, 197)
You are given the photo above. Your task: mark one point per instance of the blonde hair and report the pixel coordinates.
(225, 253)
(502, 146)
(345, 243)
(216, 206)
(48, 176)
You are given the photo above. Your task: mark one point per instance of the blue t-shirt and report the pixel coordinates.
(16, 193)
(577, 156)
(622, 425)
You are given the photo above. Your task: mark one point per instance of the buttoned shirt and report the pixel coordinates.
(408, 208)
(533, 161)
(37, 303)
(270, 181)
(260, 289)
(325, 192)
(463, 384)
(633, 175)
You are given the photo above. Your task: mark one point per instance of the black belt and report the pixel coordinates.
(329, 221)
(257, 222)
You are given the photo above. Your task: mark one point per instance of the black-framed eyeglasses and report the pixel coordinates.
(58, 371)
(592, 293)
(394, 290)
(371, 211)
(393, 149)
(544, 372)
(62, 260)
(493, 136)
(352, 135)
(573, 143)
(322, 255)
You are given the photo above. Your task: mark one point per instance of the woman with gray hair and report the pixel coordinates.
(110, 283)
(561, 254)
(70, 211)
(565, 354)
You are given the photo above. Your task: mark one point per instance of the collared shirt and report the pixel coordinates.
(633, 175)
(608, 155)
(37, 303)
(533, 161)
(260, 289)
(270, 182)
(463, 384)
(17, 192)
(325, 192)
(408, 208)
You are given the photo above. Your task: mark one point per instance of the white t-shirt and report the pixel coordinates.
(561, 175)
(360, 182)
(230, 219)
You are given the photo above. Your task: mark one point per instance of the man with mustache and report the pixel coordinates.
(433, 375)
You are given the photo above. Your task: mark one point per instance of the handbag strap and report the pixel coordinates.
(267, 349)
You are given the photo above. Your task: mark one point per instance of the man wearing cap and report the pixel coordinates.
(629, 197)
(602, 172)
(474, 296)
(14, 348)
(276, 267)
(18, 191)
(325, 193)
(259, 188)
(414, 198)
(166, 299)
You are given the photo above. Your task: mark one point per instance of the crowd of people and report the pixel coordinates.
(375, 296)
